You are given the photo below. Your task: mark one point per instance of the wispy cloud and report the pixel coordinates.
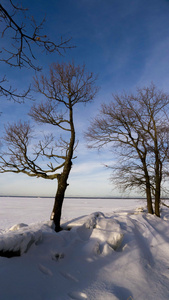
(156, 68)
(86, 168)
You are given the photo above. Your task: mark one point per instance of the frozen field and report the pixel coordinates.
(28, 210)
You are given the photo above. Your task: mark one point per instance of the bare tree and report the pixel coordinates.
(137, 128)
(23, 36)
(66, 86)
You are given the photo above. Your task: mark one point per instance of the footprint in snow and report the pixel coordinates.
(77, 295)
(69, 276)
(45, 270)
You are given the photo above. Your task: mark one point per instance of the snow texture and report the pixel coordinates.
(120, 255)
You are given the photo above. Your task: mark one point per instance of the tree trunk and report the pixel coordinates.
(157, 205)
(62, 185)
(57, 208)
(158, 173)
(158, 192)
(62, 179)
(149, 199)
(148, 187)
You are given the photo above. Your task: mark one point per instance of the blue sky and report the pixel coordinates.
(125, 42)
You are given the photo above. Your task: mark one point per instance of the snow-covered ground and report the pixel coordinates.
(114, 250)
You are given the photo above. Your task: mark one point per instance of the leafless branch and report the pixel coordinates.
(12, 94)
(20, 52)
(23, 37)
(47, 113)
(18, 138)
(137, 128)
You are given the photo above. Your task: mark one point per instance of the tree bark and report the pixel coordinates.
(148, 187)
(149, 199)
(158, 193)
(157, 204)
(158, 174)
(62, 179)
(57, 208)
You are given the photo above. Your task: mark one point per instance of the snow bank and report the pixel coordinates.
(110, 256)
(105, 236)
(19, 238)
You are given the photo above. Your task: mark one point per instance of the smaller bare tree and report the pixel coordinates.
(137, 128)
(23, 36)
(66, 86)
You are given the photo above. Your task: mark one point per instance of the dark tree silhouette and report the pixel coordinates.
(66, 87)
(137, 128)
(23, 36)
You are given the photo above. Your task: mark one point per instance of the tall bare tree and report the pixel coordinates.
(23, 35)
(137, 128)
(66, 86)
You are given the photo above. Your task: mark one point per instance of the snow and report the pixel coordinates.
(113, 250)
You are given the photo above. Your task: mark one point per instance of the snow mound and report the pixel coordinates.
(19, 238)
(107, 233)
(103, 234)
(18, 242)
(17, 227)
(92, 220)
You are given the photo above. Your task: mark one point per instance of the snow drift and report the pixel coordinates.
(120, 255)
